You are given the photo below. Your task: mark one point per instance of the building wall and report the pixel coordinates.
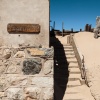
(24, 11)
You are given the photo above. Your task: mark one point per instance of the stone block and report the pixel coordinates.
(2, 84)
(48, 94)
(35, 52)
(32, 93)
(41, 52)
(4, 98)
(42, 81)
(2, 94)
(32, 66)
(6, 53)
(49, 52)
(1, 52)
(48, 67)
(20, 54)
(14, 67)
(14, 93)
(2, 67)
(18, 81)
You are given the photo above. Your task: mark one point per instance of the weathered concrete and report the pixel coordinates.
(33, 12)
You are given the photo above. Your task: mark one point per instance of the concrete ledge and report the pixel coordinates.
(80, 58)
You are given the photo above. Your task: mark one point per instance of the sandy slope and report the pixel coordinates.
(83, 90)
(90, 48)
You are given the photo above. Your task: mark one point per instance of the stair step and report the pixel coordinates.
(73, 83)
(61, 45)
(73, 65)
(72, 60)
(69, 53)
(57, 53)
(73, 97)
(62, 48)
(74, 76)
(70, 56)
(68, 46)
(61, 58)
(64, 56)
(74, 70)
(73, 90)
(68, 50)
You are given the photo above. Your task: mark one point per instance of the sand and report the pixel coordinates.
(83, 90)
(90, 48)
(63, 40)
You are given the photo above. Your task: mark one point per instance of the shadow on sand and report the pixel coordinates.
(61, 73)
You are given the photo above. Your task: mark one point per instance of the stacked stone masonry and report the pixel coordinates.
(26, 73)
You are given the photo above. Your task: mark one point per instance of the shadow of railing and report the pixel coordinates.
(61, 72)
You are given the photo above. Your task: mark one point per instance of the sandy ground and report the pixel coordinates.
(90, 48)
(83, 90)
(63, 40)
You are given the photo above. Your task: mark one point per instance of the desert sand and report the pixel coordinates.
(90, 48)
(83, 90)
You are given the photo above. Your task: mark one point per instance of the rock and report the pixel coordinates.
(32, 66)
(48, 66)
(42, 81)
(42, 52)
(2, 94)
(14, 93)
(20, 54)
(32, 93)
(1, 41)
(16, 80)
(11, 69)
(35, 52)
(48, 94)
(2, 67)
(1, 52)
(7, 56)
(1, 62)
(28, 98)
(24, 45)
(4, 98)
(49, 52)
(14, 67)
(7, 53)
(2, 83)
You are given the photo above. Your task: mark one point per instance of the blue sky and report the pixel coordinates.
(74, 13)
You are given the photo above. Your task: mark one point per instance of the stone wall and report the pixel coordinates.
(26, 61)
(26, 73)
(25, 12)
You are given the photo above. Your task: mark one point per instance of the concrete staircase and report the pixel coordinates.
(74, 77)
(68, 84)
